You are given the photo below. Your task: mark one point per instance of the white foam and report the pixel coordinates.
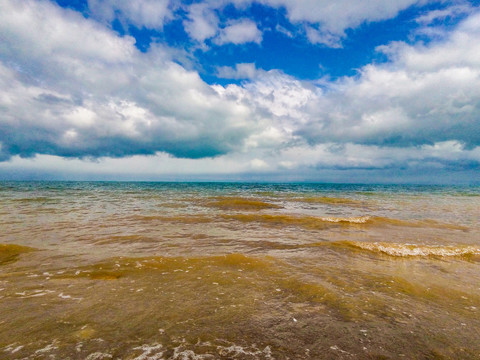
(47, 348)
(189, 355)
(18, 348)
(13, 348)
(150, 352)
(98, 356)
(353, 220)
(401, 250)
(236, 350)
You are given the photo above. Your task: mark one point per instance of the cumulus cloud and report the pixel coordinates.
(239, 32)
(422, 106)
(324, 21)
(328, 20)
(103, 98)
(141, 13)
(425, 95)
(202, 22)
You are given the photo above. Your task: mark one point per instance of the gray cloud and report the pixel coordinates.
(103, 97)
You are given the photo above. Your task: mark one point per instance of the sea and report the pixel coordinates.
(152, 270)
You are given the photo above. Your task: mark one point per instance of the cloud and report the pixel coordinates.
(420, 107)
(324, 21)
(441, 15)
(442, 162)
(141, 13)
(426, 94)
(239, 32)
(333, 40)
(202, 22)
(327, 20)
(241, 71)
(337, 16)
(107, 99)
(104, 98)
(356, 156)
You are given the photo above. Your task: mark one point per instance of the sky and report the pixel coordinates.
(240, 90)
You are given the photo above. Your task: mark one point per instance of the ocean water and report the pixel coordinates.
(94, 270)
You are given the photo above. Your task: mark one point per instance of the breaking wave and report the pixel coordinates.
(407, 250)
(314, 222)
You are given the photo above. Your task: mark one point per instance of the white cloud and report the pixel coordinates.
(284, 31)
(325, 21)
(329, 19)
(427, 94)
(141, 13)
(333, 40)
(442, 14)
(336, 16)
(105, 98)
(29, 37)
(239, 32)
(425, 98)
(202, 22)
(241, 71)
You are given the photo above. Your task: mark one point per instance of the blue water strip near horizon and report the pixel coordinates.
(463, 189)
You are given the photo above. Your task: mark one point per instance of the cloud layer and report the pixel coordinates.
(72, 87)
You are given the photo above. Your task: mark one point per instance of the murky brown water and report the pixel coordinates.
(237, 271)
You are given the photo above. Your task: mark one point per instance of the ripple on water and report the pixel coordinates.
(10, 252)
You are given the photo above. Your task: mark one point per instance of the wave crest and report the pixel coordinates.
(408, 250)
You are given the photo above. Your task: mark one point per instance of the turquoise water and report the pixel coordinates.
(103, 270)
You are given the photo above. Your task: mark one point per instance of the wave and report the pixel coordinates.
(116, 268)
(413, 250)
(310, 222)
(39, 199)
(124, 239)
(305, 221)
(329, 200)
(349, 220)
(429, 223)
(185, 219)
(240, 203)
(314, 222)
(10, 252)
(275, 220)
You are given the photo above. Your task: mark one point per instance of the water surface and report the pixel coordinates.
(238, 271)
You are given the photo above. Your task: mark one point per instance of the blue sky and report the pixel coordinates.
(274, 90)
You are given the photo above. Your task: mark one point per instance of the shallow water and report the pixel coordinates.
(238, 271)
